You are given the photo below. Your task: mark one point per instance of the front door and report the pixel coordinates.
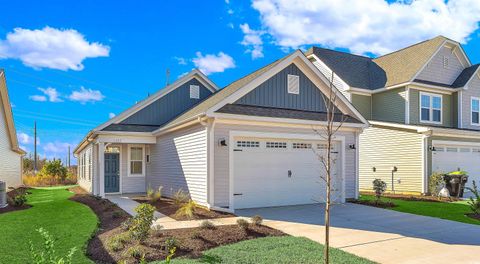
(112, 172)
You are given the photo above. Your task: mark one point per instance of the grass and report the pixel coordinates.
(285, 249)
(454, 211)
(70, 223)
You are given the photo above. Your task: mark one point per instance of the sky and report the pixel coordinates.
(72, 65)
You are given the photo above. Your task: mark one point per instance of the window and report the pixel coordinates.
(136, 161)
(276, 145)
(475, 150)
(302, 145)
(475, 111)
(451, 149)
(248, 144)
(323, 146)
(194, 92)
(439, 149)
(464, 149)
(430, 108)
(293, 83)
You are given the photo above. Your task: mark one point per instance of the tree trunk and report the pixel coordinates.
(326, 251)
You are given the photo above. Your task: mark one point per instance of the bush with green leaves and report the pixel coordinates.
(187, 209)
(142, 221)
(54, 168)
(117, 243)
(379, 187)
(206, 224)
(474, 201)
(180, 197)
(243, 224)
(157, 195)
(150, 192)
(19, 199)
(48, 255)
(257, 220)
(436, 183)
(135, 252)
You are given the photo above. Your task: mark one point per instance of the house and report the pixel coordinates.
(11, 154)
(423, 106)
(251, 144)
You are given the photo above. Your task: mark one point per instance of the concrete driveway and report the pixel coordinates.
(380, 235)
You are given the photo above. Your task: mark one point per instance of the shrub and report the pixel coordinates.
(54, 168)
(48, 255)
(142, 221)
(125, 226)
(171, 253)
(156, 230)
(170, 243)
(379, 187)
(149, 192)
(243, 224)
(187, 209)
(207, 225)
(180, 197)
(157, 196)
(196, 235)
(435, 183)
(135, 252)
(257, 220)
(474, 203)
(19, 199)
(41, 180)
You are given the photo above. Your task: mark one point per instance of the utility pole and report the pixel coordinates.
(168, 77)
(35, 147)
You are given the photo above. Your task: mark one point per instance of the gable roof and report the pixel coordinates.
(7, 113)
(232, 88)
(465, 76)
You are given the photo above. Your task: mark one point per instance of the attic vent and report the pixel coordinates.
(293, 83)
(445, 62)
(194, 92)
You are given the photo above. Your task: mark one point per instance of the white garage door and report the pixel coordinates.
(279, 172)
(447, 158)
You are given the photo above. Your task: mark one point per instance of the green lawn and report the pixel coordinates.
(287, 249)
(451, 211)
(71, 223)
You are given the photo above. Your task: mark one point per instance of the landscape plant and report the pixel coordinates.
(379, 187)
(243, 224)
(19, 199)
(47, 255)
(435, 183)
(186, 209)
(474, 201)
(257, 220)
(180, 197)
(206, 224)
(157, 195)
(141, 222)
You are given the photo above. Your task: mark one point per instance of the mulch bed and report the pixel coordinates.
(379, 204)
(474, 216)
(11, 194)
(417, 198)
(167, 207)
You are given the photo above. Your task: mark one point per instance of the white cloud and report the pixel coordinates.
(62, 49)
(24, 138)
(111, 115)
(377, 27)
(56, 149)
(38, 98)
(252, 39)
(230, 11)
(86, 95)
(212, 63)
(180, 60)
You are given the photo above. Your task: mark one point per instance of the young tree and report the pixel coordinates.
(334, 121)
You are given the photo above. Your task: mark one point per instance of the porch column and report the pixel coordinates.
(101, 167)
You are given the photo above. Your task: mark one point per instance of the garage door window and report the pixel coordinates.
(282, 145)
(248, 144)
(451, 149)
(302, 145)
(475, 111)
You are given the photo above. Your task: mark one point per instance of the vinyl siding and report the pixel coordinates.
(10, 161)
(473, 90)
(435, 72)
(179, 161)
(389, 105)
(273, 93)
(363, 103)
(86, 181)
(221, 158)
(130, 184)
(384, 148)
(447, 109)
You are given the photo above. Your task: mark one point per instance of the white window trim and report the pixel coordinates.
(471, 111)
(288, 86)
(194, 91)
(431, 95)
(130, 146)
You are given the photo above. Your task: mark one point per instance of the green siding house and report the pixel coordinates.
(422, 103)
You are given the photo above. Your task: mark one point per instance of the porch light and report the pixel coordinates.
(352, 146)
(222, 142)
(431, 148)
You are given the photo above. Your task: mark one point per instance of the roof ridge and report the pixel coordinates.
(348, 53)
(408, 47)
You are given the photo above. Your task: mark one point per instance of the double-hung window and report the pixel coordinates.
(475, 111)
(430, 108)
(136, 165)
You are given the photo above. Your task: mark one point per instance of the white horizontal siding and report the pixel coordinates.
(10, 161)
(86, 181)
(473, 90)
(221, 159)
(179, 161)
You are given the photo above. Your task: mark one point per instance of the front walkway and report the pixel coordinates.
(380, 235)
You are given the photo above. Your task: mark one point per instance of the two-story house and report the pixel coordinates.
(423, 106)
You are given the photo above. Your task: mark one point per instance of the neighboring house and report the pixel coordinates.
(10, 152)
(423, 106)
(246, 145)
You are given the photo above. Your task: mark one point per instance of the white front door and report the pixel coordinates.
(279, 172)
(449, 157)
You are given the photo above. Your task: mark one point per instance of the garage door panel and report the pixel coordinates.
(262, 178)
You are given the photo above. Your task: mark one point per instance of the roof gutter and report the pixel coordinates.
(193, 120)
(87, 139)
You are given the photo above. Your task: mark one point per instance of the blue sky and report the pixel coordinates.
(71, 65)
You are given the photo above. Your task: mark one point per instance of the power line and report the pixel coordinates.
(53, 119)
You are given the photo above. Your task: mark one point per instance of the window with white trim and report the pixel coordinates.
(248, 144)
(293, 84)
(282, 145)
(136, 161)
(302, 145)
(194, 92)
(475, 105)
(430, 108)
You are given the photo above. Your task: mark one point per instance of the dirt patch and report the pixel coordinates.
(417, 198)
(379, 204)
(167, 207)
(111, 217)
(12, 194)
(474, 216)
